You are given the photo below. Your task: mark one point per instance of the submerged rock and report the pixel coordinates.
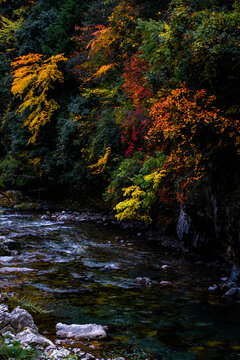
(89, 331)
(166, 283)
(111, 267)
(144, 281)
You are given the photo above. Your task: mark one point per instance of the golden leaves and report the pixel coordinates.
(33, 77)
(101, 163)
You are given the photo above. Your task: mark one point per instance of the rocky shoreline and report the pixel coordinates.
(19, 326)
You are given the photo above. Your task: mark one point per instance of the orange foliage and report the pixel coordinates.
(109, 41)
(105, 46)
(33, 77)
(187, 127)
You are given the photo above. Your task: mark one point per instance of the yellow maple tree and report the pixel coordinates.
(33, 77)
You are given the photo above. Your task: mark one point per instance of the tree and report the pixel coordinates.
(33, 78)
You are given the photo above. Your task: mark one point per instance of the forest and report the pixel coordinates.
(130, 108)
(134, 102)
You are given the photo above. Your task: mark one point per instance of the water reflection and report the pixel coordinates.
(73, 280)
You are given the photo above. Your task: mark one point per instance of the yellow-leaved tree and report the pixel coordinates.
(33, 77)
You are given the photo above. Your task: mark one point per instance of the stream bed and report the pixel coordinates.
(73, 280)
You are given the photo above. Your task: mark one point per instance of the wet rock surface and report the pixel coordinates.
(7, 270)
(89, 331)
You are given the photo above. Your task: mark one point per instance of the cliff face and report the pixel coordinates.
(210, 226)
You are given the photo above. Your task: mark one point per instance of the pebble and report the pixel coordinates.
(165, 267)
(213, 287)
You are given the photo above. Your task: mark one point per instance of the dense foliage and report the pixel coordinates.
(133, 99)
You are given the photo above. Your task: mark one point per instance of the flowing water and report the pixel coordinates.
(180, 322)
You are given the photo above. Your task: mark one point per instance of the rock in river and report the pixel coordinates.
(111, 267)
(166, 283)
(144, 281)
(6, 270)
(89, 331)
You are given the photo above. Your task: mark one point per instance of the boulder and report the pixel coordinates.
(33, 338)
(88, 331)
(21, 319)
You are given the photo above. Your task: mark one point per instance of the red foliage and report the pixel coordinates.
(136, 84)
(134, 130)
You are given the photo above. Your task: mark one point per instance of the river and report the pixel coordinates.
(180, 322)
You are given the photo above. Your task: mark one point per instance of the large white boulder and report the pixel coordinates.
(88, 331)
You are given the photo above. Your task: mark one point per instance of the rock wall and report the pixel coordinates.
(209, 225)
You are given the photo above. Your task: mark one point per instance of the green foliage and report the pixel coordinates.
(142, 196)
(58, 37)
(4, 81)
(8, 30)
(16, 171)
(199, 46)
(14, 350)
(105, 135)
(121, 177)
(37, 23)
